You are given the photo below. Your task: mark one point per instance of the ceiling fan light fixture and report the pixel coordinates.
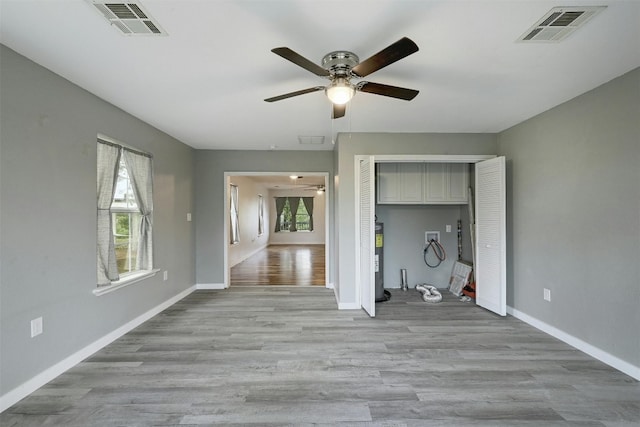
(340, 91)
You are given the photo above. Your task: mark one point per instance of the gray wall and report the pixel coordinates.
(404, 227)
(211, 166)
(350, 145)
(48, 135)
(574, 216)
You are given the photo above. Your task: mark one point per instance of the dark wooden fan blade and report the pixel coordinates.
(296, 93)
(386, 90)
(301, 61)
(338, 111)
(395, 52)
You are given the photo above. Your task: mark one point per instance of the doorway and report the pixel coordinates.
(284, 255)
(490, 266)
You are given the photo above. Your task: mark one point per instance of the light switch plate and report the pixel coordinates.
(36, 327)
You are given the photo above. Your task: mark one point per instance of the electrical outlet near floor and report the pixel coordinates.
(547, 294)
(165, 275)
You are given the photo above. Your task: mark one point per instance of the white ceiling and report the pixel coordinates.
(205, 82)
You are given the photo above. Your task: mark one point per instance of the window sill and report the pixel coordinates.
(126, 281)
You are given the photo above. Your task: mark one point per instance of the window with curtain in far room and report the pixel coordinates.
(289, 221)
(260, 215)
(234, 215)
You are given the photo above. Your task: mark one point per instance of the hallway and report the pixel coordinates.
(289, 265)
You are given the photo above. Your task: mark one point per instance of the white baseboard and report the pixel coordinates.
(247, 255)
(343, 305)
(12, 397)
(210, 286)
(348, 306)
(601, 355)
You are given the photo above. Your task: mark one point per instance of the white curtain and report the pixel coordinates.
(235, 224)
(260, 215)
(139, 166)
(108, 165)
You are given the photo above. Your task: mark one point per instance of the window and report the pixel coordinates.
(260, 215)
(294, 214)
(126, 217)
(125, 208)
(233, 212)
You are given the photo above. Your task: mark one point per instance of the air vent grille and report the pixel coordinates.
(559, 23)
(130, 18)
(311, 139)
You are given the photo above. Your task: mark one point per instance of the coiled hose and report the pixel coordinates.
(429, 293)
(438, 251)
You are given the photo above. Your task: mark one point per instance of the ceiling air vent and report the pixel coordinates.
(130, 18)
(311, 139)
(558, 23)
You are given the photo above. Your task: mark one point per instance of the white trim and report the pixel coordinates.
(431, 158)
(249, 255)
(13, 396)
(349, 306)
(601, 355)
(328, 195)
(209, 286)
(356, 229)
(329, 286)
(125, 281)
(401, 158)
(342, 305)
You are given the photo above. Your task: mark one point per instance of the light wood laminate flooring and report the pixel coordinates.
(274, 356)
(291, 265)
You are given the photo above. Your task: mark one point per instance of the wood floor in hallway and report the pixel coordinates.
(290, 265)
(285, 356)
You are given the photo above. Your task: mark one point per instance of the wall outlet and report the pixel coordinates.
(431, 235)
(547, 294)
(188, 217)
(448, 228)
(165, 275)
(36, 327)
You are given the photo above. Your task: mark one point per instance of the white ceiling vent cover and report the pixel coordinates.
(130, 18)
(311, 139)
(559, 22)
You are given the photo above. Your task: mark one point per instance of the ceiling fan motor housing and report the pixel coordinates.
(340, 62)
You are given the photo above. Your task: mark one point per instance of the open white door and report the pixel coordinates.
(491, 268)
(366, 232)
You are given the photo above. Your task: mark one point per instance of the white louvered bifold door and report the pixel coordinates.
(491, 273)
(366, 236)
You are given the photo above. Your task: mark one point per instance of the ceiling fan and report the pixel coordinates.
(340, 67)
(317, 188)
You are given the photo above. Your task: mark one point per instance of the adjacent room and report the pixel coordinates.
(206, 205)
(283, 219)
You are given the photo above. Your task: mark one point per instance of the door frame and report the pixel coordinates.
(328, 194)
(402, 158)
